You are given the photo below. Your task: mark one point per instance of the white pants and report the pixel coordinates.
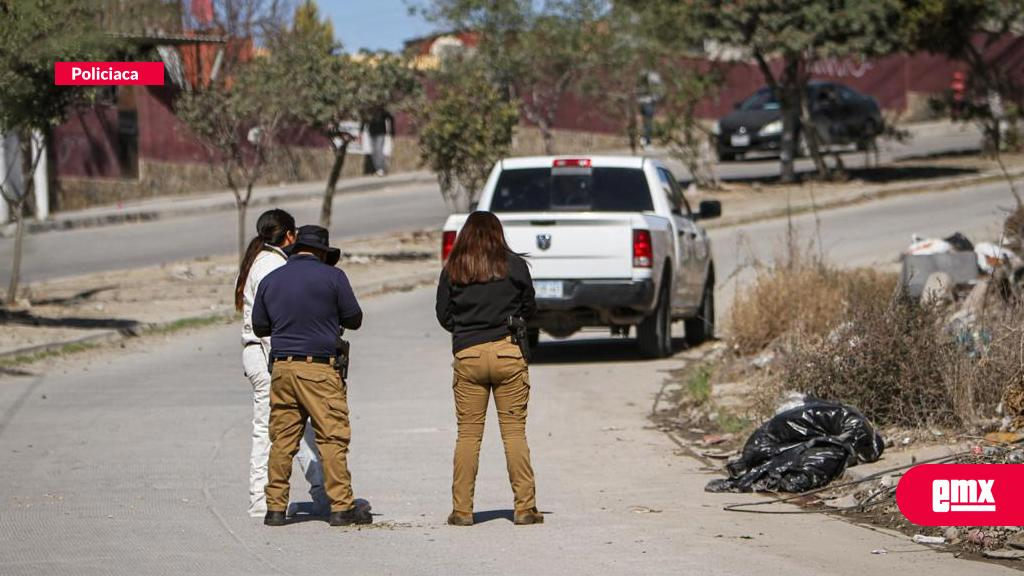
(254, 361)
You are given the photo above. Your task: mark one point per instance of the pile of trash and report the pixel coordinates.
(945, 268)
(802, 448)
(978, 282)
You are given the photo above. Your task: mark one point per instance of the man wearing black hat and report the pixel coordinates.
(302, 306)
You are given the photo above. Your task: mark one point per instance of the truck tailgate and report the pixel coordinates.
(566, 246)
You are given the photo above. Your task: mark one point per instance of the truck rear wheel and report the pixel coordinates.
(654, 334)
(701, 328)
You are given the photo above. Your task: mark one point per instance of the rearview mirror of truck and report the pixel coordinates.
(709, 209)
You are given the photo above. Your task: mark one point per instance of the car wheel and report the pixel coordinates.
(654, 334)
(701, 328)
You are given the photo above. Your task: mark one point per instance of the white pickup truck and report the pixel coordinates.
(611, 241)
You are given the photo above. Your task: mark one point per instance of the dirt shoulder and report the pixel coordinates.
(106, 306)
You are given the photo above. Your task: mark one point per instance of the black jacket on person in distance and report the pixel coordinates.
(478, 313)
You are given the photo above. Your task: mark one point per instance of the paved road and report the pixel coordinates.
(397, 209)
(134, 461)
(87, 250)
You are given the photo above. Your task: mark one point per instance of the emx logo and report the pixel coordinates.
(962, 495)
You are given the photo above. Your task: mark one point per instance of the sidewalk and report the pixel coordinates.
(221, 200)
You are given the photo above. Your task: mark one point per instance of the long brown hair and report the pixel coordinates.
(480, 253)
(271, 229)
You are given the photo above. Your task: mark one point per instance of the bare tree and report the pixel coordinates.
(240, 127)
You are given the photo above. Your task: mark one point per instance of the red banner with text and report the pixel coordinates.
(963, 495)
(108, 73)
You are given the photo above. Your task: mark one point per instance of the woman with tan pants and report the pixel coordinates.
(482, 285)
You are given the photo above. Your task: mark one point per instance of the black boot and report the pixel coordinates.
(274, 518)
(354, 515)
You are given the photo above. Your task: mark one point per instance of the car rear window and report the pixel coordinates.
(586, 190)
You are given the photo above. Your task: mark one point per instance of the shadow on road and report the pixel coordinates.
(26, 318)
(488, 515)
(886, 174)
(875, 175)
(593, 350)
(75, 298)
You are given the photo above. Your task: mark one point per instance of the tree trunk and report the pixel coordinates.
(549, 138)
(332, 183)
(790, 100)
(810, 131)
(242, 206)
(456, 196)
(19, 235)
(632, 128)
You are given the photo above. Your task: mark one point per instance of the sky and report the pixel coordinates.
(373, 24)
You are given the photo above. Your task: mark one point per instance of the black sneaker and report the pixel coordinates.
(354, 515)
(274, 518)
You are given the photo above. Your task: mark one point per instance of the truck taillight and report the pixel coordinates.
(643, 250)
(571, 163)
(447, 243)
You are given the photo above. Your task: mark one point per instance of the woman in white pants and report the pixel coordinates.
(275, 230)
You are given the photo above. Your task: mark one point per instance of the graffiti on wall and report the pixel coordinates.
(841, 67)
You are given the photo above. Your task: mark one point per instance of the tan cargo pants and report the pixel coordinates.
(498, 368)
(301, 389)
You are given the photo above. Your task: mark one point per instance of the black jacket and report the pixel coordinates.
(478, 313)
(302, 306)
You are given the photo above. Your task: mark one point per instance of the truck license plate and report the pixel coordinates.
(548, 288)
(740, 140)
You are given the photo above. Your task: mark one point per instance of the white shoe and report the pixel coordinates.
(258, 509)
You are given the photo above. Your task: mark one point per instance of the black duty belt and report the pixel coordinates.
(308, 359)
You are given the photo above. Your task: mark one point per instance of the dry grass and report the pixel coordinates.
(847, 335)
(802, 297)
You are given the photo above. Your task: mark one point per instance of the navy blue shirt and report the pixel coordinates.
(301, 306)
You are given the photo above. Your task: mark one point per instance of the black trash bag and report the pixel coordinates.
(801, 449)
(959, 242)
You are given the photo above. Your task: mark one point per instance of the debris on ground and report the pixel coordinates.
(801, 449)
(872, 499)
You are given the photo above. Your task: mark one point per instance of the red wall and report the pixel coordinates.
(162, 136)
(86, 144)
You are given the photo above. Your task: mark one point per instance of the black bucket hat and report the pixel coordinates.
(317, 238)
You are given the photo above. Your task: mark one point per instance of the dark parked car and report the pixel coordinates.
(841, 114)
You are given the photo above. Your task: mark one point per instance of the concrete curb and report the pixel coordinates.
(876, 193)
(400, 284)
(204, 204)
